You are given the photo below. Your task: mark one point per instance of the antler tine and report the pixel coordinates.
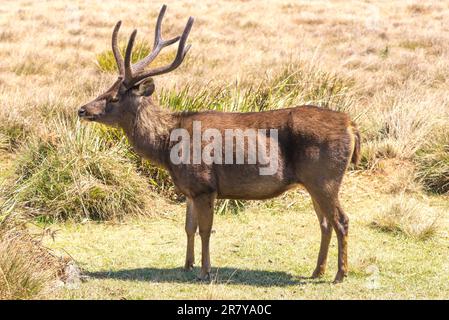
(157, 31)
(129, 50)
(181, 53)
(115, 49)
(159, 43)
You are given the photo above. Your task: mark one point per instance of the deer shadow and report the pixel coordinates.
(227, 275)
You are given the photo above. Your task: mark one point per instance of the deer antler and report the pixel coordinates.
(135, 73)
(116, 51)
(159, 43)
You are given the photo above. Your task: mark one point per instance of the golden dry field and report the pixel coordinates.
(78, 189)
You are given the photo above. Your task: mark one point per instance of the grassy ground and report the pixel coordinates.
(267, 251)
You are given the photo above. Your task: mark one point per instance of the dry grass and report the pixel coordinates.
(4, 141)
(398, 177)
(408, 216)
(28, 270)
(433, 164)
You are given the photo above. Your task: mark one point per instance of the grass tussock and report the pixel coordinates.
(27, 268)
(407, 125)
(402, 128)
(225, 206)
(374, 151)
(433, 164)
(76, 175)
(408, 216)
(401, 178)
(158, 180)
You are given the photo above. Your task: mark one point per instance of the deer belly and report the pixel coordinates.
(247, 185)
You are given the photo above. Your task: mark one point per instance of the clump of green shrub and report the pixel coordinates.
(433, 164)
(77, 174)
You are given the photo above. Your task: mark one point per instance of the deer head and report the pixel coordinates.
(134, 82)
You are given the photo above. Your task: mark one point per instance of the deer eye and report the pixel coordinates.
(114, 99)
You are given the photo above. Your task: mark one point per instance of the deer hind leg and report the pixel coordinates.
(203, 206)
(341, 226)
(326, 235)
(190, 227)
(329, 205)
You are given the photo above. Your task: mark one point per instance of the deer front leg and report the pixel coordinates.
(204, 209)
(190, 227)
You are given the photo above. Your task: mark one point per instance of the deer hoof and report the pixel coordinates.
(204, 276)
(339, 278)
(318, 273)
(188, 267)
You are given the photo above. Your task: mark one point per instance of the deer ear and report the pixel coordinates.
(146, 88)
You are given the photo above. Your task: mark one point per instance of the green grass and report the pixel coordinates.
(76, 175)
(375, 150)
(293, 84)
(265, 252)
(385, 52)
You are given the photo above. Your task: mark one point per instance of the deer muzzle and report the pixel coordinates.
(93, 110)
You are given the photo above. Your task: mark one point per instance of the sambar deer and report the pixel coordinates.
(314, 146)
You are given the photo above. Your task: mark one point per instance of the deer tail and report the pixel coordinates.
(355, 159)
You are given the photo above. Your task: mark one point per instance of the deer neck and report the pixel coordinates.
(149, 132)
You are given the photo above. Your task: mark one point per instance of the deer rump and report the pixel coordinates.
(312, 144)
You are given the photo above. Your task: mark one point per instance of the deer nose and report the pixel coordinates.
(82, 112)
